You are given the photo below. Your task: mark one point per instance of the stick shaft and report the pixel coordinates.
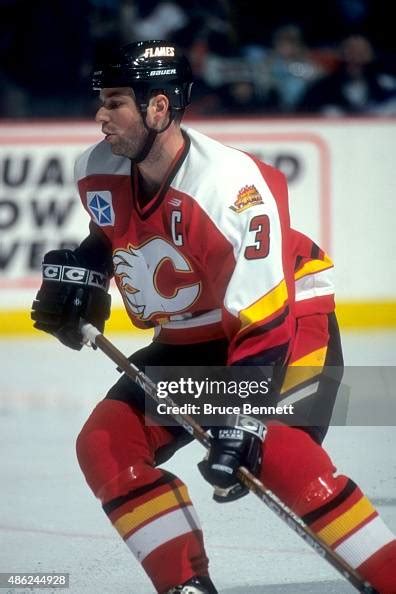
(243, 474)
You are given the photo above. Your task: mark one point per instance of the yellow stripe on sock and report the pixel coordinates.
(132, 520)
(345, 523)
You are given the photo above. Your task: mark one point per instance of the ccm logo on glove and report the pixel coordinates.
(71, 274)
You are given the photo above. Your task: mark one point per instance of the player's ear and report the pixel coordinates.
(158, 110)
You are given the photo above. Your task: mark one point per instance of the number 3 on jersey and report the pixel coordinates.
(261, 226)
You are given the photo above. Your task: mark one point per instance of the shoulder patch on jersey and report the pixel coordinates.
(248, 196)
(100, 205)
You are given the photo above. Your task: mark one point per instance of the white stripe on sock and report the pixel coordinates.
(159, 531)
(365, 542)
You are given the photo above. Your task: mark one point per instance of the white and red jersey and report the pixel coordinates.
(211, 255)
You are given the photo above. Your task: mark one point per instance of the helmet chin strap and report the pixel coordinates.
(151, 136)
(146, 148)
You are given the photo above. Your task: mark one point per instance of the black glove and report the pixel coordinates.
(233, 446)
(70, 292)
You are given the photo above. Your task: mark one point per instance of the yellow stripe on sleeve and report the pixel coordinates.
(313, 266)
(265, 306)
(313, 359)
(304, 369)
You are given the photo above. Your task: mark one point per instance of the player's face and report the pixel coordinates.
(121, 121)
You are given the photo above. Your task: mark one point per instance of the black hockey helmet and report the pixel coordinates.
(148, 66)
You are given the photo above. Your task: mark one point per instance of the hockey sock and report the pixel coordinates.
(150, 508)
(159, 525)
(301, 473)
(351, 526)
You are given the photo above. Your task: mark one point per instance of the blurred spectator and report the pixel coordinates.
(239, 85)
(208, 20)
(371, 18)
(157, 20)
(243, 98)
(357, 86)
(291, 66)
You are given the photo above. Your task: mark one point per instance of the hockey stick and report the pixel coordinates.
(93, 335)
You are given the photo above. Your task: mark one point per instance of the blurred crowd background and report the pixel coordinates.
(329, 57)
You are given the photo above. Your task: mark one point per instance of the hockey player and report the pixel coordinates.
(198, 238)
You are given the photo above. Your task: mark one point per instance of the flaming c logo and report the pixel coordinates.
(155, 279)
